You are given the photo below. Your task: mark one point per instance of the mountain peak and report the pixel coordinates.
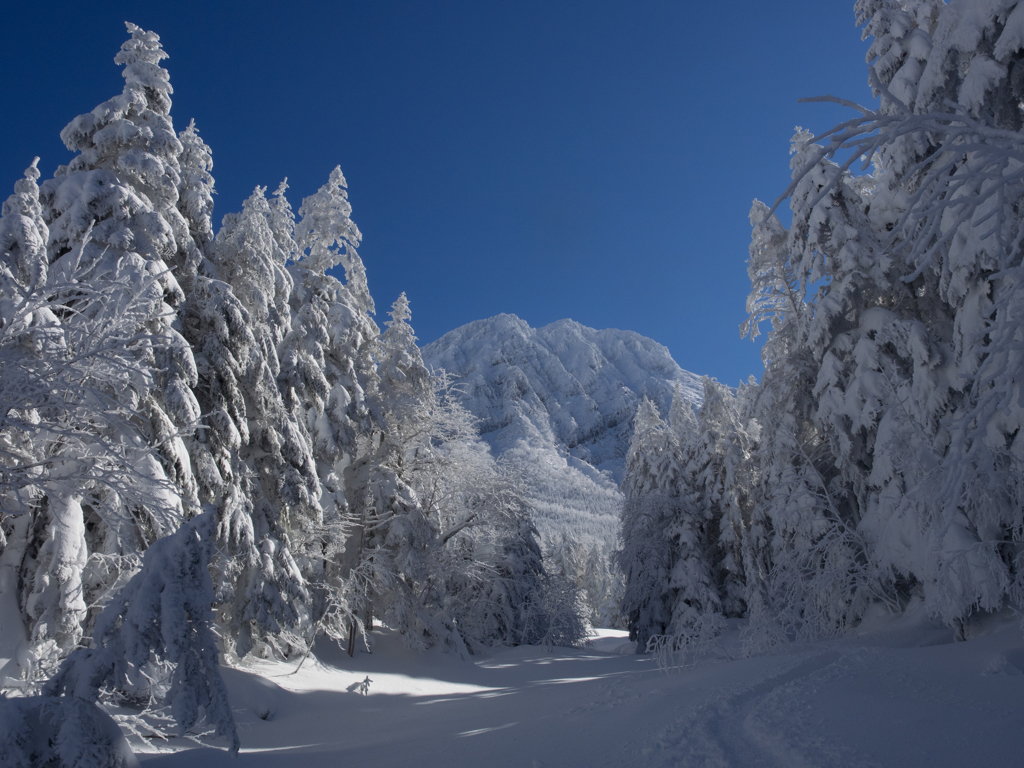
(565, 394)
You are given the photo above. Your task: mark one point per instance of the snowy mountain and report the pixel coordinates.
(561, 398)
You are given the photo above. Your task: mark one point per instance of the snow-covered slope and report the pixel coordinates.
(561, 398)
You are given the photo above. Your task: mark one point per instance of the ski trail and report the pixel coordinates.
(754, 726)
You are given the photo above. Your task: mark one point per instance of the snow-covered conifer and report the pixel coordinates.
(113, 207)
(908, 429)
(83, 487)
(276, 479)
(327, 376)
(652, 505)
(161, 621)
(195, 187)
(23, 235)
(404, 382)
(719, 473)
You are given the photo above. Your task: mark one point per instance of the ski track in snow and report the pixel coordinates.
(757, 724)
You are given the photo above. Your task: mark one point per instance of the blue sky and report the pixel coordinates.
(593, 160)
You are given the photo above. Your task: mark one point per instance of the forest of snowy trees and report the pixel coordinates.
(209, 447)
(879, 459)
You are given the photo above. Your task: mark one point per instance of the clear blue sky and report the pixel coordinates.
(593, 160)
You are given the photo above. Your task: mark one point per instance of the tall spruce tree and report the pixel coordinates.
(114, 237)
(652, 505)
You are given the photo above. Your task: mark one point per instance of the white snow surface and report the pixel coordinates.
(561, 399)
(899, 692)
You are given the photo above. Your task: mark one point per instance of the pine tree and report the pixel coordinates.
(405, 384)
(399, 542)
(327, 378)
(195, 187)
(721, 483)
(277, 486)
(84, 490)
(112, 216)
(122, 188)
(891, 465)
(160, 619)
(652, 505)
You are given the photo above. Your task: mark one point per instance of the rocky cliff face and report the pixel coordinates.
(561, 398)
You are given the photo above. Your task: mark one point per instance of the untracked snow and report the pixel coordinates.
(897, 693)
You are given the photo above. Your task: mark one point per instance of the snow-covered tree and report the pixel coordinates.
(652, 505)
(602, 586)
(719, 476)
(948, 137)
(888, 403)
(405, 384)
(122, 189)
(248, 258)
(195, 186)
(333, 323)
(115, 229)
(160, 622)
(276, 492)
(83, 487)
(327, 374)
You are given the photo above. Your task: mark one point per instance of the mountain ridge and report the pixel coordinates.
(561, 398)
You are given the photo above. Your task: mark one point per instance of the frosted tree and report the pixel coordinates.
(195, 187)
(893, 353)
(719, 477)
(545, 607)
(602, 587)
(946, 138)
(823, 283)
(391, 544)
(23, 236)
(405, 384)
(333, 322)
(24, 312)
(249, 259)
(122, 188)
(785, 496)
(256, 572)
(948, 131)
(461, 565)
(276, 499)
(567, 558)
(327, 376)
(497, 586)
(112, 222)
(652, 505)
(486, 583)
(398, 539)
(328, 365)
(82, 482)
(158, 628)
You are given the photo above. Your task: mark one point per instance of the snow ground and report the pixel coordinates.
(898, 693)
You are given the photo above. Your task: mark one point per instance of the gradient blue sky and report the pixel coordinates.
(593, 160)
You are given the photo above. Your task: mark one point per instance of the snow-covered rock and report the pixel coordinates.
(561, 398)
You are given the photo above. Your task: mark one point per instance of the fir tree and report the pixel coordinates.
(652, 505)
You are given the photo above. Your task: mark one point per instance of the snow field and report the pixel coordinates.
(899, 693)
